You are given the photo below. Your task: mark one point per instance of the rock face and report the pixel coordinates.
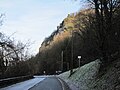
(88, 77)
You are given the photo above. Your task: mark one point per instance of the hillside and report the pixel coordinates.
(88, 77)
(89, 38)
(61, 40)
(88, 33)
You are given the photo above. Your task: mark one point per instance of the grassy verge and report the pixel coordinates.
(88, 77)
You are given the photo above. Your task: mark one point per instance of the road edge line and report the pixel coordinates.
(61, 83)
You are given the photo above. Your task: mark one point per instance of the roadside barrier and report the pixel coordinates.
(10, 81)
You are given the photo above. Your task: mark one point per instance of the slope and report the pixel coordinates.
(89, 77)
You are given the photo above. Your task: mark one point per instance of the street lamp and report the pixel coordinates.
(79, 57)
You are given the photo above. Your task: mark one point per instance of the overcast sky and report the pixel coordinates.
(34, 19)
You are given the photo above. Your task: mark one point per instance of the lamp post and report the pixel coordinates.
(79, 57)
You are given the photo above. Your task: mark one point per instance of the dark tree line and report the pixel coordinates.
(13, 57)
(95, 35)
(105, 27)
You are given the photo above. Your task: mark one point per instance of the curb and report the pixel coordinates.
(63, 84)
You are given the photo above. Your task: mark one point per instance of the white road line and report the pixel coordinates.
(61, 84)
(24, 85)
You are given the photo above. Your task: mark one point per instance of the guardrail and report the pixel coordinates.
(10, 81)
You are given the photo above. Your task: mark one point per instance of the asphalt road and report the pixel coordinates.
(51, 83)
(25, 85)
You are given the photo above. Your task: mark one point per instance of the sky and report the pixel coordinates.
(34, 19)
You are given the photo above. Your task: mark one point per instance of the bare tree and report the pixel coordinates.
(10, 53)
(104, 11)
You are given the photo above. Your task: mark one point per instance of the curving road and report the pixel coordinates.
(51, 83)
(39, 83)
(25, 85)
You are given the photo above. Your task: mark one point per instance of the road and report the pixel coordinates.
(40, 83)
(24, 85)
(51, 83)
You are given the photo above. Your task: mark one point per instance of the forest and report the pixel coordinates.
(92, 33)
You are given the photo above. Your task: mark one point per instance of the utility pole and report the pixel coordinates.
(67, 66)
(71, 64)
(62, 61)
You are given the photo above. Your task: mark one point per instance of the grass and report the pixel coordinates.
(84, 75)
(88, 77)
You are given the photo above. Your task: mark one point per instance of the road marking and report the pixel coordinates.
(61, 83)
